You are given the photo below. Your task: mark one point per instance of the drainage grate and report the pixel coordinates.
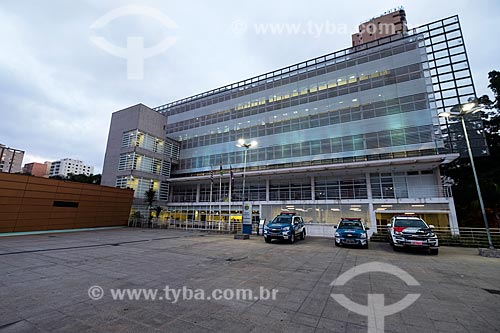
(492, 291)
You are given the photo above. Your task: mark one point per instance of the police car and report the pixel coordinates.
(412, 232)
(351, 231)
(286, 226)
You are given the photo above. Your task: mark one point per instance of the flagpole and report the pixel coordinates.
(210, 209)
(220, 194)
(230, 188)
(211, 185)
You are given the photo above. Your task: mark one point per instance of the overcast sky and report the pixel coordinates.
(58, 88)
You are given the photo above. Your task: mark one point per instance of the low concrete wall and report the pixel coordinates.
(326, 230)
(30, 203)
(320, 230)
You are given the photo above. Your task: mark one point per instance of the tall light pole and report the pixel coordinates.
(460, 111)
(243, 144)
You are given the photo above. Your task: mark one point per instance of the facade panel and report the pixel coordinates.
(49, 204)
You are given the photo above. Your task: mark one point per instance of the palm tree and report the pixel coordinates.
(150, 199)
(158, 210)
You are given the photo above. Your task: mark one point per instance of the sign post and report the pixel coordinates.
(247, 218)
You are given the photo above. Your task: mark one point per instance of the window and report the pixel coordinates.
(143, 140)
(139, 185)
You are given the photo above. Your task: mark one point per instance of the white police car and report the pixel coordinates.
(412, 232)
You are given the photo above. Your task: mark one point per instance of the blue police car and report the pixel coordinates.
(351, 231)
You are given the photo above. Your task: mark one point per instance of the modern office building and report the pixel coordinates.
(354, 133)
(10, 159)
(66, 166)
(36, 169)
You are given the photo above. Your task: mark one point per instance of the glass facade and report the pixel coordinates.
(386, 185)
(351, 133)
(136, 161)
(143, 140)
(147, 160)
(139, 185)
(368, 103)
(375, 101)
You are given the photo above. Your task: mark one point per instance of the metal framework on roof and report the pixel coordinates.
(447, 63)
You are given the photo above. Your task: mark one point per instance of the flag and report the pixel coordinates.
(211, 174)
(220, 168)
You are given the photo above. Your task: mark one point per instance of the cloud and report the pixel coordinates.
(58, 90)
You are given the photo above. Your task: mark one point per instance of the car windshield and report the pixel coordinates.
(350, 225)
(412, 223)
(282, 219)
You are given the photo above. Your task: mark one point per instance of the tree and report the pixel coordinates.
(494, 77)
(491, 121)
(158, 210)
(150, 198)
(488, 169)
(81, 178)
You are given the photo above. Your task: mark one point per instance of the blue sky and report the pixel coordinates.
(58, 88)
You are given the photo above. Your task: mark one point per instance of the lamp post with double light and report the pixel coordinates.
(247, 229)
(460, 111)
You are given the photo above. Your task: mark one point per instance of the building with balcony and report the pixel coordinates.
(354, 133)
(66, 166)
(11, 159)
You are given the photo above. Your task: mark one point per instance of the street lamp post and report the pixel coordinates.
(243, 144)
(460, 111)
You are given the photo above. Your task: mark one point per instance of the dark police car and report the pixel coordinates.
(351, 231)
(285, 226)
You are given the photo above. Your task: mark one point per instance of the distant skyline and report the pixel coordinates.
(59, 86)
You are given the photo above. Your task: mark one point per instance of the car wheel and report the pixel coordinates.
(434, 252)
(303, 236)
(292, 238)
(337, 244)
(365, 246)
(267, 239)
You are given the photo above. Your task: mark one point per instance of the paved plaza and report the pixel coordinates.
(45, 281)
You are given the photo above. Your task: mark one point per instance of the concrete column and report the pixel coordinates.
(267, 190)
(440, 190)
(313, 189)
(372, 218)
(452, 218)
(368, 186)
(198, 190)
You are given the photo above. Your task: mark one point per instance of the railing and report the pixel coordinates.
(415, 192)
(462, 236)
(326, 193)
(212, 226)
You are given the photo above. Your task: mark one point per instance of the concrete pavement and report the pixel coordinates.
(45, 279)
